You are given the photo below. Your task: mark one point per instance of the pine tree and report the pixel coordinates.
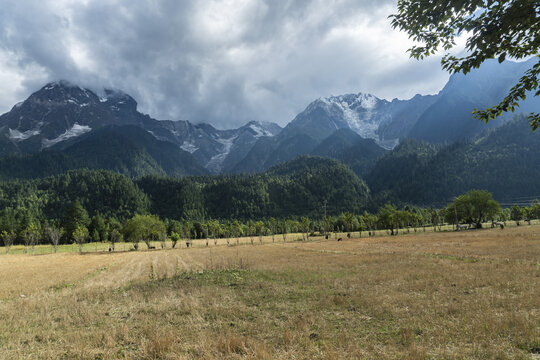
(76, 216)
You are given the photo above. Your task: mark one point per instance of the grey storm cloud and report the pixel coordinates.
(224, 62)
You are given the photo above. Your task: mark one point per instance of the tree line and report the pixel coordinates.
(76, 226)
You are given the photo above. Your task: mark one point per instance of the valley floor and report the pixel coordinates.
(443, 295)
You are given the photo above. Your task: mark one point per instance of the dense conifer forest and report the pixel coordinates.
(100, 205)
(410, 186)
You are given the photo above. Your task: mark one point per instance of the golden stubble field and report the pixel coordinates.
(427, 296)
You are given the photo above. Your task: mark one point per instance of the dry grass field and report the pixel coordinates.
(447, 295)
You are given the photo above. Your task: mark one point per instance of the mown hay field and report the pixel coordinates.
(450, 295)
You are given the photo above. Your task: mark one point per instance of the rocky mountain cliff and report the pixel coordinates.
(61, 111)
(355, 128)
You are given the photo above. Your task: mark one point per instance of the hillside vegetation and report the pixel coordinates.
(505, 161)
(296, 188)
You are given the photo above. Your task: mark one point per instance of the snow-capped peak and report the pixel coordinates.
(60, 84)
(367, 101)
(118, 98)
(360, 112)
(259, 129)
(262, 128)
(364, 101)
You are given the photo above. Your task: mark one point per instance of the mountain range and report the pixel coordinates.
(64, 126)
(65, 117)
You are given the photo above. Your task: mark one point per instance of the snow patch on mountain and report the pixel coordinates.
(215, 162)
(259, 131)
(363, 113)
(357, 111)
(361, 122)
(367, 101)
(16, 135)
(74, 131)
(189, 146)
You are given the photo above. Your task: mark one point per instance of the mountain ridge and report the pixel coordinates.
(61, 112)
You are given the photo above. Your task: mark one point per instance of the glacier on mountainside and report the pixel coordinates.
(362, 113)
(16, 135)
(75, 130)
(215, 162)
(259, 131)
(189, 147)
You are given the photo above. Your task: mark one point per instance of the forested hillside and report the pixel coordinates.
(411, 186)
(505, 161)
(414, 173)
(296, 188)
(99, 192)
(347, 146)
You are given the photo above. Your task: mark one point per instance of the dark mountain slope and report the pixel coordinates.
(350, 148)
(505, 161)
(128, 147)
(128, 150)
(450, 117)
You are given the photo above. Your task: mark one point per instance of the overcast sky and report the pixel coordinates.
(224, 62)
